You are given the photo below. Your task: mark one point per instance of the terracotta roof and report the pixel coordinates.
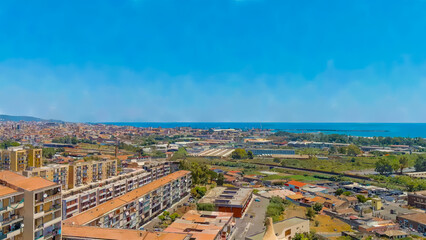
(29, 184)
(296, 183)
(118, 234)
(6, 191)
(101, 209)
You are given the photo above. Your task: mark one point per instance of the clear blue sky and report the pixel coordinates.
(217, 60)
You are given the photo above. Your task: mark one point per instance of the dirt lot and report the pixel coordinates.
(326, 224)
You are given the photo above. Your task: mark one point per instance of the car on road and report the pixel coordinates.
(257, 200)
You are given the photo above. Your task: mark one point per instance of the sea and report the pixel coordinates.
(352, 129)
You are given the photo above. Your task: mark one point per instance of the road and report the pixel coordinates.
(252, 222)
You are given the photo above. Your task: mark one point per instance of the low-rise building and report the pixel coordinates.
(415, 221)
(417, 199)
(234, 200)
(203, 225)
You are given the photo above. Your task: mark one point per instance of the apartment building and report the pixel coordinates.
(158, 169)
(133, 209)
(41, 206)
(11, 213)
(35, 157)
(19, 159)
(88, 196)
(81, 173)
(95, 233)
(204, 225)
(58, 173)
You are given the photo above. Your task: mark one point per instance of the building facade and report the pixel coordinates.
(417, 199)
(133, 209)
(41, 205)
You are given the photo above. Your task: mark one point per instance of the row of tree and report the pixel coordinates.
(360, 141)
(240, 153)
(387, 166)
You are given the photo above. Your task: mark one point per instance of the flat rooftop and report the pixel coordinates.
(201, 224)
(222, 196)
(29, 184)
(422, 193)
(104, 208)
(82, 232)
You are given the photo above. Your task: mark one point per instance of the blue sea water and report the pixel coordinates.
(353, 129)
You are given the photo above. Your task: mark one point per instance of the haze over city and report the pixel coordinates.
(224, 60)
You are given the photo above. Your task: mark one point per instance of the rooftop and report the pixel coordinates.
(222, 196)
(201, 224)
(415, 217)
(4, 191)
(102, 209)
(118, 234)
(29, 184)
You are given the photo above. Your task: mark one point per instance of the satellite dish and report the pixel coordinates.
(45, 195)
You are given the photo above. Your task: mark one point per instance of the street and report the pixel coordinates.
(253, 221)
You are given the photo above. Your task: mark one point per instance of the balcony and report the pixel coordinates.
(53, 197)
(15, 232)
(17, 205)
(51, 222)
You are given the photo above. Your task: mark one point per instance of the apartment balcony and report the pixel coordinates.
(14, 233)
(51, 222)
(17, 205)
(11, 220)
(53, 197)
(39, 214)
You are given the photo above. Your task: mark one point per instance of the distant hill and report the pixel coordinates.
(4, 118)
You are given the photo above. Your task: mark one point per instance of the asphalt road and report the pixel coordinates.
(253, 221)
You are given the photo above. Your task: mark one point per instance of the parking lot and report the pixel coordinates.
(252, 222)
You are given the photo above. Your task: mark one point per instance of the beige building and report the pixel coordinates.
(41, 206)
(82, 173)
(19, 159)
(58, 173)
(11, 213)
(133, 209)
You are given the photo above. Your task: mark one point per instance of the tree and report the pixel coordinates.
(205, 207)
(239, 153)
(220, 179)
(420, 164)
(353, 150)
(48, 152)
(310, 213)
(174, 216)
(339, 192)
(384, 167)
(347, 193)
(403, 163)
(361, 198)
(317, 207)
(277, 160)
(250, 155)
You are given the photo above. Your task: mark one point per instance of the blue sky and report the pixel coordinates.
(217, 60)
